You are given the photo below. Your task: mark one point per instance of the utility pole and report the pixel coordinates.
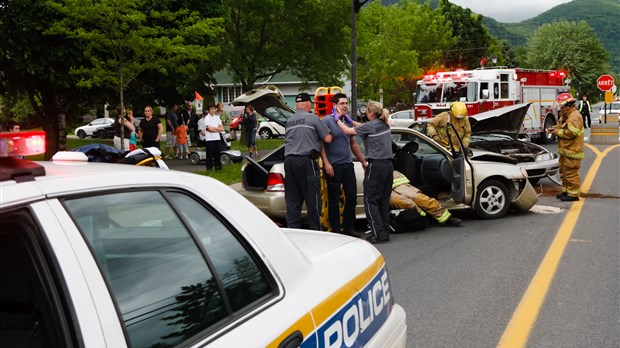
(357, 6)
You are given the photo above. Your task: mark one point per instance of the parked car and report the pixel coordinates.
(98, 128)
(402, 118)
(611, 108)
(486, 182)
(235, 119)
(108, 255)
(269, 129)
(498, 132)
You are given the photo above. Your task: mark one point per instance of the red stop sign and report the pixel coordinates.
(605, 82)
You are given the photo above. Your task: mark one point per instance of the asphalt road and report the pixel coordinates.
(462, 286)
(546, 278)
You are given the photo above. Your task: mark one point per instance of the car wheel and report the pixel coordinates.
(492, 200)
(548, 138)
(81, 134)
(100, 133)
(194, 158)
(264, 133)
(225, 159)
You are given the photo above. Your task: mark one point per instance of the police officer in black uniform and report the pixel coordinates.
(304, 136)
(379, 172)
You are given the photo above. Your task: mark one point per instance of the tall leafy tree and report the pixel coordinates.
(395, 45)
(472, 39)
(306, 37)
(572, 46)
(124, 38)
(36, 66)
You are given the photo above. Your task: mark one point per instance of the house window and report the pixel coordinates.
(230, 93)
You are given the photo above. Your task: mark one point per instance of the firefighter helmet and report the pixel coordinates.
(565, 99)
(459, 109)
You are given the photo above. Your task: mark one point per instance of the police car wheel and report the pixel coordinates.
(194, 158)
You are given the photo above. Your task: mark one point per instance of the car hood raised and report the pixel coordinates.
(264, 97)
(506, 120)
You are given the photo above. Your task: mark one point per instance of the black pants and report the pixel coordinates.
(586, 117)
(302, 184)
(212, 149)
(377, 188)
(344, 175)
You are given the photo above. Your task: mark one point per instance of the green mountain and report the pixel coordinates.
(602, 15)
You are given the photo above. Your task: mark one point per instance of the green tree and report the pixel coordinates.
(472, 39)
(394, 43)
(124, 38)
(572, 46)
(306, 37)
(36, 65)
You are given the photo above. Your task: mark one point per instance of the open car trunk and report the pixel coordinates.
(256, 173)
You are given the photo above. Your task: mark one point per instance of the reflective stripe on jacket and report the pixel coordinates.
(438, 126)
(570, 134)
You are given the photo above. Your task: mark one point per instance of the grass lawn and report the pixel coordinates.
(229, 174)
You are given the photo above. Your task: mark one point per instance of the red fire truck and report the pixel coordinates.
(493, 88)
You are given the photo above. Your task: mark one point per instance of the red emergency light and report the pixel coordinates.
(22, 143)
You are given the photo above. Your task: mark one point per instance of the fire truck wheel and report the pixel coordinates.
(548, 138)
(492, 200)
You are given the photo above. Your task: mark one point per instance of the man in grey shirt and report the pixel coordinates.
(303, 139)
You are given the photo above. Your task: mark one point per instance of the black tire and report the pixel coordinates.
(81, 134)
(225, 159)
(492, 200)
(100, 134)
(546, 137)
(194, 158)
(264, 133)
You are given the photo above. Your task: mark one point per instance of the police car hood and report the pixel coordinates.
(268, 101)
(314, 244)
(506, 120)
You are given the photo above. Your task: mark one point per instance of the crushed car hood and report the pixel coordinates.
(506, 120)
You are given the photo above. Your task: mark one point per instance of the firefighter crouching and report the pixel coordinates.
(437, 127)
(406, 196)
(569, 131)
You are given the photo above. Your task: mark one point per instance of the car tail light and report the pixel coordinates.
(275, 183)
(22, 143)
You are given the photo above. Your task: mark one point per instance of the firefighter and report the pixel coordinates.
(569, 131)
(437, 127)
(406, 196)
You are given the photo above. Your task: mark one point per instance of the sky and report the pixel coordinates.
(509, 11)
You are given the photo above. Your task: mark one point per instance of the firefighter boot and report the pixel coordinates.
(559, 196)
(452, 221)
(568, 198)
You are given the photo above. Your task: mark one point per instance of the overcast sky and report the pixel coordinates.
(511, 10)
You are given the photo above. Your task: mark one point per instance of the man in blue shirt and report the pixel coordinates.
(339, 168)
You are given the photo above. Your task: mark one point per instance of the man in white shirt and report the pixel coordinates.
(210, 128)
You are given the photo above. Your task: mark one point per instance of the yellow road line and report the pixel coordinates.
(518, 330)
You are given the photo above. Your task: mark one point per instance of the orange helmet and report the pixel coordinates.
(565, 99)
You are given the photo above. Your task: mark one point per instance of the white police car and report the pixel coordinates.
(110, 255)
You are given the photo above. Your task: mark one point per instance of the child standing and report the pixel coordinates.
(182, 148)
